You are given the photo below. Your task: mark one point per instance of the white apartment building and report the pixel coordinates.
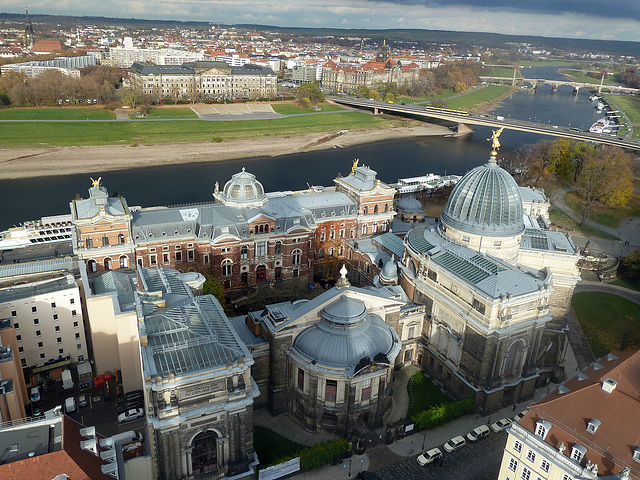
(47, 319)
(585, 430)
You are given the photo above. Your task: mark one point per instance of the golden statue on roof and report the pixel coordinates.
(95, 183)
(354, 166)
(495, 143)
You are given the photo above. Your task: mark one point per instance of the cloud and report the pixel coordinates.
(618, 20)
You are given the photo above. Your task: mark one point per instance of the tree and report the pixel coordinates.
(605, 177)
(132, 96)
(311, 92)
(213, 286)
(631, 265)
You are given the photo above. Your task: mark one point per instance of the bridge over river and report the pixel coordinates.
(557, 83)
(464, 120)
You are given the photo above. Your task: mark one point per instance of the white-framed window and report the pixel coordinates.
(577, 452)
(526, 473)
(517, 446)
(566, 477)
(296, 256)
(227, 265)
(542, 427)
(513, 464)
(531, 456)
(260, 249)
(545, 465)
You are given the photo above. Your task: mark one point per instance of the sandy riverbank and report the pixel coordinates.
(36, 162)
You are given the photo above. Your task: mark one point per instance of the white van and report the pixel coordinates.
(70, 405)
(35, 394)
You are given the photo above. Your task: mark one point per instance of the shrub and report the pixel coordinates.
(440, 414)
(323, 453)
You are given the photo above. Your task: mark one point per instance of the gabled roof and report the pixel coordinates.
(612, 445)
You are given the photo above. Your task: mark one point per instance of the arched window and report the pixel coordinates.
(244, 252)
(266, 228)
(364, 229)
(331, 252)
(366, 210)
(204, 455)
(278, 249)
(296, 256)
(88, 242)
(121, 239)
(256, 229)
(375, 209)
(261, 228)
(374, 228)
(124, 261)
(340, 250)
(227, 263)
(92, 266)
(107, 264)
(321, 254)
(386, 207)
(105, 241)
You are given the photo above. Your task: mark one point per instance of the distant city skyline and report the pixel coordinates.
(588, 19)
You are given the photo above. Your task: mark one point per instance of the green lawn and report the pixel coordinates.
(293, 109)
(106, 133)
(56, 114)
(630, 105)
(425, 394)
(271, 446)
(506, 72)
(583, 77)
(625, 282)
(178, 112)
(607, 321)
(545, 63)
(477, 97)
(560, 219)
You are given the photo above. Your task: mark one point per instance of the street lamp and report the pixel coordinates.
(424, 440)
(350, 467)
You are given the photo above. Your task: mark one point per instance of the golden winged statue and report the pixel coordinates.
(96, 183)
(495, 143)
(355, 165)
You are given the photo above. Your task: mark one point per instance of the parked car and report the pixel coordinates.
(35, 394)
(128, 406)
(428, 456)
(519, 416)
(477, 433)
(454, 444)
(129, 396)
(131, 414)
(83, 400)
(501, 425)
(131, 450)
(366, 476)
(38, 412)
(70, 404)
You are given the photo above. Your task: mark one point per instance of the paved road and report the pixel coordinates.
(475, 461)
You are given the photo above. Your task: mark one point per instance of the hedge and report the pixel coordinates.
(443, 413)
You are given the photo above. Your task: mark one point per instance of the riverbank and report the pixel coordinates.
(48, 161)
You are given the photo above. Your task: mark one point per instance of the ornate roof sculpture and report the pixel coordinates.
(486, 201)
(345, 335)
(243, 190)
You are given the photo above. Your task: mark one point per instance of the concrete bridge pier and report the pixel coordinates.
(554, 88)
(463, 129)
(576, 90)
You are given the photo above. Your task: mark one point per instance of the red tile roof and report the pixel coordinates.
(611, 447)
(47, 46)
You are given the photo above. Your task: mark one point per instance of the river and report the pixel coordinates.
(32, 198)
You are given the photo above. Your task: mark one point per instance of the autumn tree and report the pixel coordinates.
(605, 177)
(309, 93)
(213, 286)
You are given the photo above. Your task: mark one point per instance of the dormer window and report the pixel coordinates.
(577, 452)
(593, 425)
(542, 428)
(636, 454)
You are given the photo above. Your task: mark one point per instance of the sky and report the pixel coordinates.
(592, 19)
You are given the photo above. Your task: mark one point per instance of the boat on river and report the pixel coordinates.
(601, 126)
(47, 230)
(424, 183)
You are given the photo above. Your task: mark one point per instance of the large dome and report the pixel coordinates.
(486, 201)
(243, 190)
(345, 335)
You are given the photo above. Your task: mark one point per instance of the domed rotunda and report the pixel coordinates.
(484, 212)
(243, 191)
(343, 364)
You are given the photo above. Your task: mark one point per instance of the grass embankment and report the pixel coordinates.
(477, 98)
(293, 109)
(545, 63)
(56, 114)
(271, 446)
(425, 395)
(178, 112)
(582, 76)
(607, 216)
(607, 321)
(631, 107)
(567, 223)
(110, 133)
(506, 72)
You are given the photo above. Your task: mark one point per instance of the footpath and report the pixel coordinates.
(381, 456)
